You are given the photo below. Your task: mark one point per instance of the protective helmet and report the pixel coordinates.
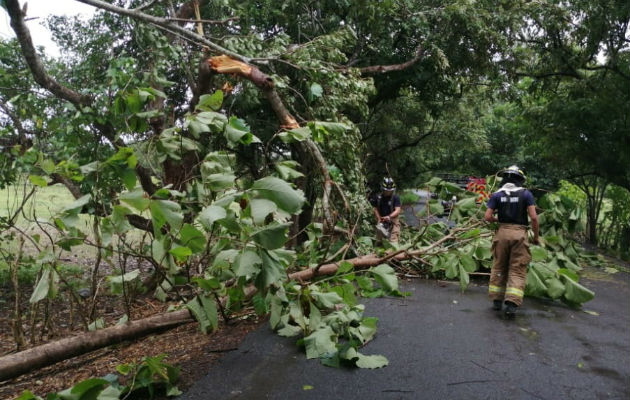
(513, 174)
(388, 184)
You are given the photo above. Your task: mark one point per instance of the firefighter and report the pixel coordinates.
(510, 247)
(386, 210)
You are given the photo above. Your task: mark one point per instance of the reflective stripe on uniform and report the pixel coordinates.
(496, 289)
(514, 292)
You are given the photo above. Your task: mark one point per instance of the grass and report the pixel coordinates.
(45, 203)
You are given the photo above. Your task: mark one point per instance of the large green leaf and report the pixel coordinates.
(326, 299)
(576, 293)
(210, 215)
(385, 276)
(538, 253)
(271, 236)
(247, 263)
(469, 263)
(371, 362)
(210, 102)
(43, 286)
(280, 192)
(220, 181)
(272, 271)
(555, 288)
(192, 238)
(261, 208)
(136, 199)
(535, 285)
(321, 343)
(164, 211)
(464, 279)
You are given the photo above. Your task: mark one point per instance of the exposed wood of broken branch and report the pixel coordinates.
(226, 65)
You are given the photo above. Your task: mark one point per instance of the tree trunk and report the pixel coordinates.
(37, 357)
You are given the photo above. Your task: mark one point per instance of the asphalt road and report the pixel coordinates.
(444, 344)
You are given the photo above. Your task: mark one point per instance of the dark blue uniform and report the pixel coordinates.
(512, 208)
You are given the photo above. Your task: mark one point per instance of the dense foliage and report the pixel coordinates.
(224, 175)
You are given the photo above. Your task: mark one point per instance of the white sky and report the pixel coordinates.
(42, 9)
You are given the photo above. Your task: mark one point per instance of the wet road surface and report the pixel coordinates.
(445, 344)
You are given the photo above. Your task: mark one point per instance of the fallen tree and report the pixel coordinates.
(25, 361)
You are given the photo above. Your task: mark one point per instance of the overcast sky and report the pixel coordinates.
(41, 9)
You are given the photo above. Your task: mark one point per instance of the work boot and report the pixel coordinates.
(510, 310)
(497, 305)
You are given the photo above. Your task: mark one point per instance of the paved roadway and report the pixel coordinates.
(444, 344)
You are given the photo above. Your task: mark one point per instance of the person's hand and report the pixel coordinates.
(386, 219)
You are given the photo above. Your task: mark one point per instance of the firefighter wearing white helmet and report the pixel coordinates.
(513, 205)
(386, 210)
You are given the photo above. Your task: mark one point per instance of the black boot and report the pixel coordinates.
(497, 305)
(510, 310)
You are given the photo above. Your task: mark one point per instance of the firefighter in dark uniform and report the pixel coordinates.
(510, 247)
(387, 208)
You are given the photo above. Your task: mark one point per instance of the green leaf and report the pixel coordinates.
(271, 236)
(200, 315)
(129, 276)
(316, 90)
(464, 279)
(295, 135)
(210, 215)
(237, 131)
(192, 238)
(451, 267)
(77, 205)
(97, 324)
(48, 166)
(83, 387)
(569, 274)
(163, 211)
(260, 208)
(327, 299)
(28, 395)
(210, 102)
(555, 288)
(538, 253)
(129, 178)
(471, 233)
(281, 193)
(469, 263)
(43, 286)
(247, 263)
(344, 267)
(287, 171)
(272, 271)
(210, 308)
(136, 199)
(576, 293)
(219, 181)
(181, 253)
(320, 343)
(371, 362)
(385, 276)
(535, 285)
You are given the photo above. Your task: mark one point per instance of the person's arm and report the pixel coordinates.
(395, 213)
(489, 215)
(533, 217)
(377, 214)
